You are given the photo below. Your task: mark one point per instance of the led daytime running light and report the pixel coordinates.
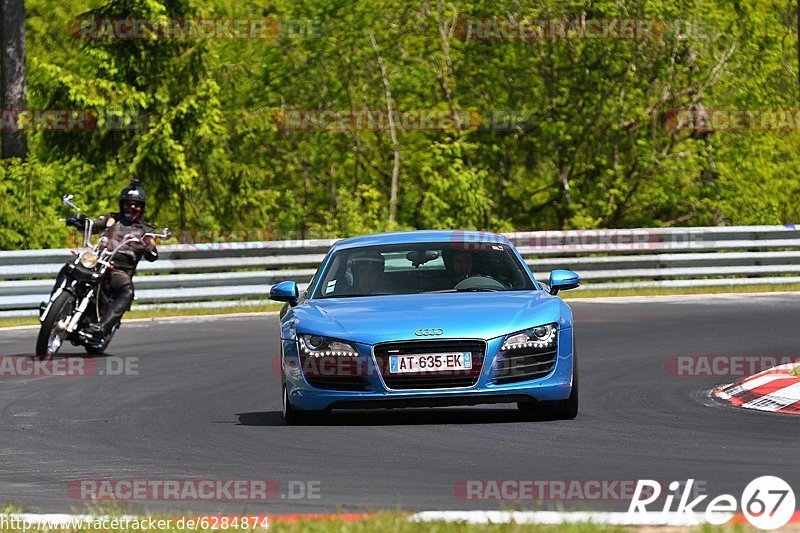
(527, 339)
(328, 348)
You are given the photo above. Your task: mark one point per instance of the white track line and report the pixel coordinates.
(62, 520)
(555, 518)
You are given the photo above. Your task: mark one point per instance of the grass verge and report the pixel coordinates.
(161, 313)
(396, 522)
(664, 291)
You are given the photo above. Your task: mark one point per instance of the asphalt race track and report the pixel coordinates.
(204, 402)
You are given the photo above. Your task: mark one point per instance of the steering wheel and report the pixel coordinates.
(480, 282)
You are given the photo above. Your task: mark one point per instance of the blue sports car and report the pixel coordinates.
(427, 318)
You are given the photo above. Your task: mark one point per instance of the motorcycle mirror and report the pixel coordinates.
(67, 200)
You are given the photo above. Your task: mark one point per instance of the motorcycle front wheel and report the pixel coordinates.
(53, 330)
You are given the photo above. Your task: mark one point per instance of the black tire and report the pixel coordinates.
(293, 417)
(95, 350)
(564, 409)
(62, 306)
(557, 410)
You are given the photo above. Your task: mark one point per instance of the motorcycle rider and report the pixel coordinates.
(115, 226)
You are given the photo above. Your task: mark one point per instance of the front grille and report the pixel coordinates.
(431, 380)
(337, 383)
(523, 365)
(336, 373)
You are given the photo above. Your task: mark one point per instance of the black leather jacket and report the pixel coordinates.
(115, 229)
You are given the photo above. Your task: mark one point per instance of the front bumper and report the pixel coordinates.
(557, 385)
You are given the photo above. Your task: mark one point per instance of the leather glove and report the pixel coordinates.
(76, 221)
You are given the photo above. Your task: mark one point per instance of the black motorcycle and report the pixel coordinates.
(79, 297)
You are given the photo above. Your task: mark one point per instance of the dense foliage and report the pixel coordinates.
(575, 132)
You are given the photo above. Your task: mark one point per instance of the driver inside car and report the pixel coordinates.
(367, 270)
(462, 265)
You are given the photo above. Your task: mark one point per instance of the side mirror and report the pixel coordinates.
(562, 280)
(285, 291)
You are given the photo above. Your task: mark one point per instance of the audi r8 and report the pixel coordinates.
(426, 318)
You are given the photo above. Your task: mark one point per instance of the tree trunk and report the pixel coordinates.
(12, 74)
(392, 132)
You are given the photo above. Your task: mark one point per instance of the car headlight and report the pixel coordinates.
(538, 338)
(88, 259)
(323, 346)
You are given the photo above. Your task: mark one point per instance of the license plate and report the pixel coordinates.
(430, 362)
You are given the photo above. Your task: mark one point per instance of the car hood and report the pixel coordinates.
(375, 319)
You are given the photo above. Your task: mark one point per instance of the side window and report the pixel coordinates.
(330, 281)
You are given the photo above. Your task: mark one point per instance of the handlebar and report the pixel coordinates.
(165, 234)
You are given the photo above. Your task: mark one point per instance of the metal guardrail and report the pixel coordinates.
(215, 274)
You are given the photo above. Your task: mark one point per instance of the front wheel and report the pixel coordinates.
(54, 328)
(293, 417)
(556, 410)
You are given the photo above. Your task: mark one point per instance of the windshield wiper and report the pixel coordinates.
(476, 289)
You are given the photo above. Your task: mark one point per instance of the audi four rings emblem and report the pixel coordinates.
(428, 332)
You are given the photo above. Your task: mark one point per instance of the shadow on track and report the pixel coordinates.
(396, 417)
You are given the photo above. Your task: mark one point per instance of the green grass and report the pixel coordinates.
(395, 522)
(161, 313)
(663, 291)
(399, 523)
(796, 371)
(164, 312)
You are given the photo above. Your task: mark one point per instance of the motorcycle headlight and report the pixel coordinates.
(323, 346)
(537, 338)
(89, 259)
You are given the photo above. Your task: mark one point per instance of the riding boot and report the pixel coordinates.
(113, 312)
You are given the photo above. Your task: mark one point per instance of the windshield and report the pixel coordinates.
(421, 268)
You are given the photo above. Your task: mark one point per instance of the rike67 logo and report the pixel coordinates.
(767, 502)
